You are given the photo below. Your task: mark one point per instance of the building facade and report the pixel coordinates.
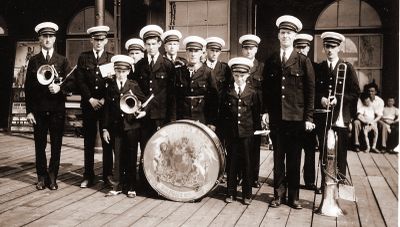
(371, 28)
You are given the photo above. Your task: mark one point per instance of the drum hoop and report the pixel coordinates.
(217, 144)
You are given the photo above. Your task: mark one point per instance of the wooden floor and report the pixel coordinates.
(375, 177)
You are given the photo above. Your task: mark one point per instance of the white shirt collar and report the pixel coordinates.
(241, 87)
(100, 52)
(334, 62)
(170, 57)
(211, 64)
(288, 52)
(119, 83)
(154, 58)
(44, 52)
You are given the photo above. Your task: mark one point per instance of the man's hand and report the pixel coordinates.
(54, 88)
(265, 119)
(141, 114)
(30, 118)
(309, 126)
(106, 135)
(212, 127)
(331, 101)
(96, 104)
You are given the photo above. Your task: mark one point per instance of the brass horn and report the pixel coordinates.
(129, 103)
(46, 74)
(339, 91)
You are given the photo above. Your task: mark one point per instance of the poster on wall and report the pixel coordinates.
(24, 51)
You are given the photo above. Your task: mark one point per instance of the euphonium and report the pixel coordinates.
(46, 74)
(129, 103)
(339, 91)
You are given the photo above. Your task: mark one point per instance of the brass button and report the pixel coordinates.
(283, 96)
(283, 87)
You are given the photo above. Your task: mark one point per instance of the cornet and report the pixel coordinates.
(130, 104)
(47, 74)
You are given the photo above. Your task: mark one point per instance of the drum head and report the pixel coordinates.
(184, 160)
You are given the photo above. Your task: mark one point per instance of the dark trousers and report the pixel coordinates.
(239, 154)
(309, 157)
(289, 136)
(255, 159)
(90, 120)
(52, 122)
(125, 151)
(147, 129)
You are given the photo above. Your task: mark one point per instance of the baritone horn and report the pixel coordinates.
(130, 104)
(339, 91)
(48, 74)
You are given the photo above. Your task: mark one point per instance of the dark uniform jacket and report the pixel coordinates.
(326, 80)
(222, 75)
(240, 116)
(256, 76)
(196, 97)
(38, 96)
(289, 90)
(179, 61)
(114, 119)
(88, 77)
(160, 82)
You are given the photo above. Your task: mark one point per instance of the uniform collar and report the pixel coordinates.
(288, 52)
(211, 64)
(154, 58)
(100, 52)
(44, 52)
(334, 62)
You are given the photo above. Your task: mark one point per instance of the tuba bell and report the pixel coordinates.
(46, 74)
(129, 103)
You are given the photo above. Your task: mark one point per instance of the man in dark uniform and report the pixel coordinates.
(171, 39)
(302, 43)
(92, 87)
(135, 48)
(325, 85)
(45, 104)
(196, 91)
(249, 50)
(288, 94)
(155, 75)
(240, 115)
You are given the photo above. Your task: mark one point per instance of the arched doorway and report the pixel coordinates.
(78, 40)
(361, 25)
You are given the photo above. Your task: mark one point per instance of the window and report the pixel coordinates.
(203, 18)
(364, 49)
(77, 38)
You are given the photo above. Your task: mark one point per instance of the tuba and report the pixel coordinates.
(46, 74)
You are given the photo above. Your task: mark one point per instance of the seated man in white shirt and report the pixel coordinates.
(389, 126)
(376, 103)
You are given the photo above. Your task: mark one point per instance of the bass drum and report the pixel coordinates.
(184, 160)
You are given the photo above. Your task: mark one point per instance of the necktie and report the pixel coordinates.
(47, 56)
(239, 91)
(120, 86)
(97, 56)
(330, 66)
(284, 59)
(152, 62)
(191, 71)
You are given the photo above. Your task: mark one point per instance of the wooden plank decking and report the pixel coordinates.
(375, 177)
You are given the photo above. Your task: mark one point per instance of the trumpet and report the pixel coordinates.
(130, 104)
(48, 74)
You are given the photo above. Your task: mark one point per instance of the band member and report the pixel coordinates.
(92, 87)
(326, 81)
(135, 48)
(302, 44)
(45, 105)
(249, 50)
(171, 39)
(240, 111)
(196, 91)
(122, 129)
(288, 95)
(155, 75)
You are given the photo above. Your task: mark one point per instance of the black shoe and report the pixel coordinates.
(40, 185)
(310, 187)
(53, 186)
(375, 150)
(275, 203)
(357, 148)
(247, 201)
(230, 199)
(256, 184)
(86, 183)
(108, 181)
(295, 205)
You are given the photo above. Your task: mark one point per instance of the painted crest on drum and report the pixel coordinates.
(181, 161)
